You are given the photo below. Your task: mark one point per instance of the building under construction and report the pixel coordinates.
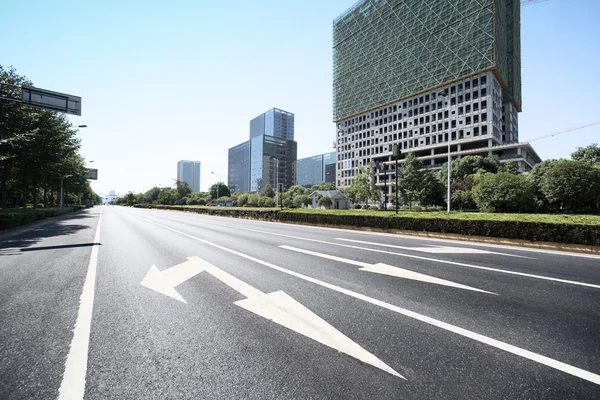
(416, 72)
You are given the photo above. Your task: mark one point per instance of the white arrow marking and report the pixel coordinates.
(277, 307)
(388, 270)
(434, 249)
(165, 281)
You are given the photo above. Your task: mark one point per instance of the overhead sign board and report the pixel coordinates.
(48, 100)
(92, 174)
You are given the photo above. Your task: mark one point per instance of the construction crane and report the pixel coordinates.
(564, 131)
(528, 2)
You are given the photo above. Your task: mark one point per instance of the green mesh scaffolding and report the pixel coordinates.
(385, 50)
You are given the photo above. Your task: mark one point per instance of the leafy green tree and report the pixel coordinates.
(252, 200)
(167, 196)
(588, 155)
(468, 165)
(325, 201)
(152, 194)
(223, 190)
(183, 189)
(432, 191)
(267, 191)
(323, 186)
(511, 167)
(266, 201)
(130, 198)
(301, 200)
(363, 186)
(410, 179)
(504, 192)
(570, 185)
(295, 190)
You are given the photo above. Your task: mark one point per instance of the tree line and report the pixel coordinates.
(477, 184)
(484, 184)
(37, 149)
(219, 193)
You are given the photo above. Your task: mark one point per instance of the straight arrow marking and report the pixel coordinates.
(277, 307)
(390, 270)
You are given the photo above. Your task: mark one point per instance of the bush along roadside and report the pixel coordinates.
(13, 218)
(569, 233)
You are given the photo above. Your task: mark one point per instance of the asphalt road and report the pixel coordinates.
(119, 303)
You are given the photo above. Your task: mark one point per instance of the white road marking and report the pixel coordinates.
(558, 365)
(72, 386)
(434, 249)
(390, 270)
(277, 307)
(502, 271)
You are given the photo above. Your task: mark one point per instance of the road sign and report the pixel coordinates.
(278, 307)
(48, 100)
(92, 173)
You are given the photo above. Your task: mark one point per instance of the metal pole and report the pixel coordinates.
(62, 195)
(396, 183)
(449, 161)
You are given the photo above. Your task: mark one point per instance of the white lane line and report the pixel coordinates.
(558, 365)
(434, 249)
(502, 271)
(417, 238)
(390, 270)
(72, 386)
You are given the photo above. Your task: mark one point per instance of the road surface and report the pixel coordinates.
(120, 303)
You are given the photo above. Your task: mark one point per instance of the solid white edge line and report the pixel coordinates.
(72, 386)
(558, 365)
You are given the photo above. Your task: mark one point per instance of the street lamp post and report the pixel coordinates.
(217, 187)
(444, 94)
(276, 180)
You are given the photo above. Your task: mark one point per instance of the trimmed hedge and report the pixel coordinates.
(583, 230)
(526, 230)
(12, 218)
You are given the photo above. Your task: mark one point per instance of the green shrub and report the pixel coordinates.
(17, 217)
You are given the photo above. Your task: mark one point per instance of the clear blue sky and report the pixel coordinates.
(163, 81)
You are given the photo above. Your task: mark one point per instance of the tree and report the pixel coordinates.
(295, 190)
(130, 198)
(267, 191)
(363, 187)
(410, 179)
(301, 200)
(570, 185)
(588, 155)
(167, 196)
(183, 189)
(511, 167)
(468, 165)
(432, 192)
(325, 201)
(223, 190)
(323, 186)
(504, 192)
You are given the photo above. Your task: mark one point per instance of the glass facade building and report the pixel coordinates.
(189, 171)
(269, 156)
(238, 171)
(275, 122)
(316, 169)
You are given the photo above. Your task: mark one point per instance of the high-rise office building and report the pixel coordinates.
(189, 171)
(269, 156)
(238, 172)
(316, 169)
(416, 73)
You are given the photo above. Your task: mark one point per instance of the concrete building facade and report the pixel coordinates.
(420, 73)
